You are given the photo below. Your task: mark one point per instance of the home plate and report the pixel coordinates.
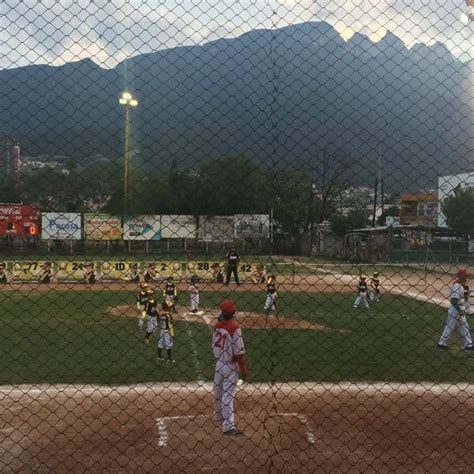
(197, 313)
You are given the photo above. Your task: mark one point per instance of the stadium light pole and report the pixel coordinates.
(127, 101)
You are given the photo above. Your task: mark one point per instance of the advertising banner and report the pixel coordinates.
(211, 270)
(29, 271)
(178, 227)
(251, 226)
(142, 228)
(102, 227)
(120, 271)
(159, 271)
(61, 226)
(216, 228)
(69, 271)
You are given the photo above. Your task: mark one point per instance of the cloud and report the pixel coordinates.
(107, 31)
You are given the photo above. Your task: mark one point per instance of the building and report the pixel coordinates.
(419, 209)
(10, 159)
(447, 186)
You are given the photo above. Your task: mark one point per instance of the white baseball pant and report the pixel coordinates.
(226, 376)
(360, 298)
(165, 341)
(459, 322)
(270, 302)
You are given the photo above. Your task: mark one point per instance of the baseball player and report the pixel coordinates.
(229, 352)
(194, 295)
(165, 320)
(375, 287)
(233, 260)
(170, 292)
(149, 274)
(361, 292)
(270, 301)
(150, 314)
(46, 273)
(457, 313)
(90, 275)
(3, 274)
(133, 275)
(141, 303)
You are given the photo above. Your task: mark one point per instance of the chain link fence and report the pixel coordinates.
(236, 236)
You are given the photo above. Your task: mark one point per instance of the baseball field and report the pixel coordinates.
(329, 387)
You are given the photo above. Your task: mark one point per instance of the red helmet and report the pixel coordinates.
(228, 307)
(463, 273)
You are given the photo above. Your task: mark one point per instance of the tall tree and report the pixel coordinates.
(458, 209)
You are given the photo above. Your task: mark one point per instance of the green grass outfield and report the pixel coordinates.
(68, 337)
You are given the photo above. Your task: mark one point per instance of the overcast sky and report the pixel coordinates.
(107, 31)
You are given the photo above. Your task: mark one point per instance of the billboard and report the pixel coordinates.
(178, 227)
(142, 227)
(102, 227)
(251, 226)
(18, 220)
(61, 226)
(216, 228)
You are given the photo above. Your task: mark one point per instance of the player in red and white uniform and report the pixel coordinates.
(457, 313)
(229, 351)
(362, 293)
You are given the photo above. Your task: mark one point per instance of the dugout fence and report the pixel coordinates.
(236, 236)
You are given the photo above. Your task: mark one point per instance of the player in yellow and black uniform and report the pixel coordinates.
(141, 303)
(362, 292)
(170, 293)
(165, 320)
(150, 314)
(270, 301)
(375, 287)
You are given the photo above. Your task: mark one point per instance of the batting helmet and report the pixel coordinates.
(228, 307)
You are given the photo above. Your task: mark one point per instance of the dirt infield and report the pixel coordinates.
(290, 428)
(245, 320)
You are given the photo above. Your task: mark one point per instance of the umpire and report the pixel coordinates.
(233, 260)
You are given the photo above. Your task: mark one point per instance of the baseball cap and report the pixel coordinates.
(462, 272)
(228, 307)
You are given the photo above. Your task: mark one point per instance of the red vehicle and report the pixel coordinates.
(18, 220)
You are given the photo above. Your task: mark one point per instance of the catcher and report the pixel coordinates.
(165, 320)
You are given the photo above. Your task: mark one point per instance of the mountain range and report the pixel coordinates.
(281, 97)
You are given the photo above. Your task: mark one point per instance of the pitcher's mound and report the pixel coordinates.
(246, 320)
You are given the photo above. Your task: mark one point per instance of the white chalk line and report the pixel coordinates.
(164, 437)
(162, 426)
(194, 350)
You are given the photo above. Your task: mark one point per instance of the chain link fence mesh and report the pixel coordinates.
(196, 193)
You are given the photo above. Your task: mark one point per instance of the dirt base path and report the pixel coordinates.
(291, 428)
